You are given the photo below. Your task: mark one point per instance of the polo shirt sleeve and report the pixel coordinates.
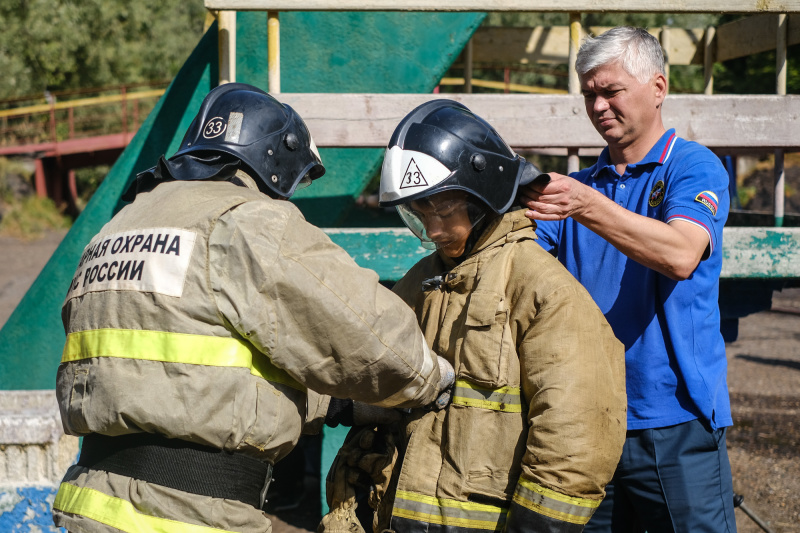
(697, 191)
(547, 232)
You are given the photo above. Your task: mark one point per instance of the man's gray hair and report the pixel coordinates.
(638, 52)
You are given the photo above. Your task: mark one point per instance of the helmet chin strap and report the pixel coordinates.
(243, 179)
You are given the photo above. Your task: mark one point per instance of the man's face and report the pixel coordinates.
(446, 220)
(620, 107)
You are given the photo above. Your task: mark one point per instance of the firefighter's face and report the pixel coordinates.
(446, 220)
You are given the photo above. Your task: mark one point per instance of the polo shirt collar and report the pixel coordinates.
(658, 154)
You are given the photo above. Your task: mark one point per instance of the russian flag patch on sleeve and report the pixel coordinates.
(708, 199)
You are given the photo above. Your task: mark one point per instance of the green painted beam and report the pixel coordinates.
(388, 251)
(753, 253)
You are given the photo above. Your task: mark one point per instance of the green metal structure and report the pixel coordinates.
(322, 52)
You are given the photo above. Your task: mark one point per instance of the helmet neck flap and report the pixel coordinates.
(241, 126)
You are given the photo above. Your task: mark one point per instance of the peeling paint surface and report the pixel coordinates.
(761, 253)
(27, 510)
(389, 252)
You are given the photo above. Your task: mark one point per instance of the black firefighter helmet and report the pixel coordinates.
(240, 125)
(441, 145)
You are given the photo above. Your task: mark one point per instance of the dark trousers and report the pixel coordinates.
(676, 478)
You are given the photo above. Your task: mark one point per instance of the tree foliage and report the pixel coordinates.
(58, 45)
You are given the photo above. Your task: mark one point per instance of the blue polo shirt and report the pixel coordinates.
(674, 352)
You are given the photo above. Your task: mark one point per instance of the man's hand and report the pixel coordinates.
(673, 249)
(555, 198)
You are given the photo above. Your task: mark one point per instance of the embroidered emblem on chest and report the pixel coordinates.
(656, 194)
(708, 199)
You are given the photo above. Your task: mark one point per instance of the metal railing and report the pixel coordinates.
(76, 115)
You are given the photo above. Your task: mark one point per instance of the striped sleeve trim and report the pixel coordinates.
(553, 504)
(697, 223)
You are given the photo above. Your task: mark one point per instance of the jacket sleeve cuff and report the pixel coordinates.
(536, 508)
(316, 409)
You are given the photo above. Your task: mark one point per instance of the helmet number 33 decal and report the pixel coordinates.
(413, 176)
(214, 127)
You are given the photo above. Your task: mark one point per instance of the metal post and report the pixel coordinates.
(124, 111)
(274, 51)
(53, 132)
(227, 46)
(72, 189)
(780, 49)
(780, 69)
(708, 60)
(738, 501)
(40, 178)
(573, 161)
(468, 67)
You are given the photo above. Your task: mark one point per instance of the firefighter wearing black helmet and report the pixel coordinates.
(206, 324)
(536, 421)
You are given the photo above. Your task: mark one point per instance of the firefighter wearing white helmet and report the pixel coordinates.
(536, 422)
(206, 324)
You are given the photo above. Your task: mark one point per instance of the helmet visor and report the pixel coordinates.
(443, 221)
(407, 174)
(304, 182)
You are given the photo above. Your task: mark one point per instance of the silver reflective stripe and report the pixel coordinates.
(234, 127)
(553, 504)
(443, 511)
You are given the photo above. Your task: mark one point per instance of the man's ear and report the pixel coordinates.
(660, 86)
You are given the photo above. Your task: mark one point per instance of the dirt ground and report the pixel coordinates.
(764, 381)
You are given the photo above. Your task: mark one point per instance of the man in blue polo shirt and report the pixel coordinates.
(642, 230)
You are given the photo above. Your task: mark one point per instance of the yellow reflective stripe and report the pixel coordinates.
(505, 399)
(119, 513)
(167, 347)
(448, 512)
(550, 503)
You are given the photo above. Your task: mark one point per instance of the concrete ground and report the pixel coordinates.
(764, 381)
(20, 264)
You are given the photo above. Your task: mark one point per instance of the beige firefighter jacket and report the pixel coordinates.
(208, 312)
(538, 410)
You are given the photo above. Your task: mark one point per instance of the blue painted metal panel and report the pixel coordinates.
(27, 510)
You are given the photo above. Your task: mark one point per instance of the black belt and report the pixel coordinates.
(180, 465)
